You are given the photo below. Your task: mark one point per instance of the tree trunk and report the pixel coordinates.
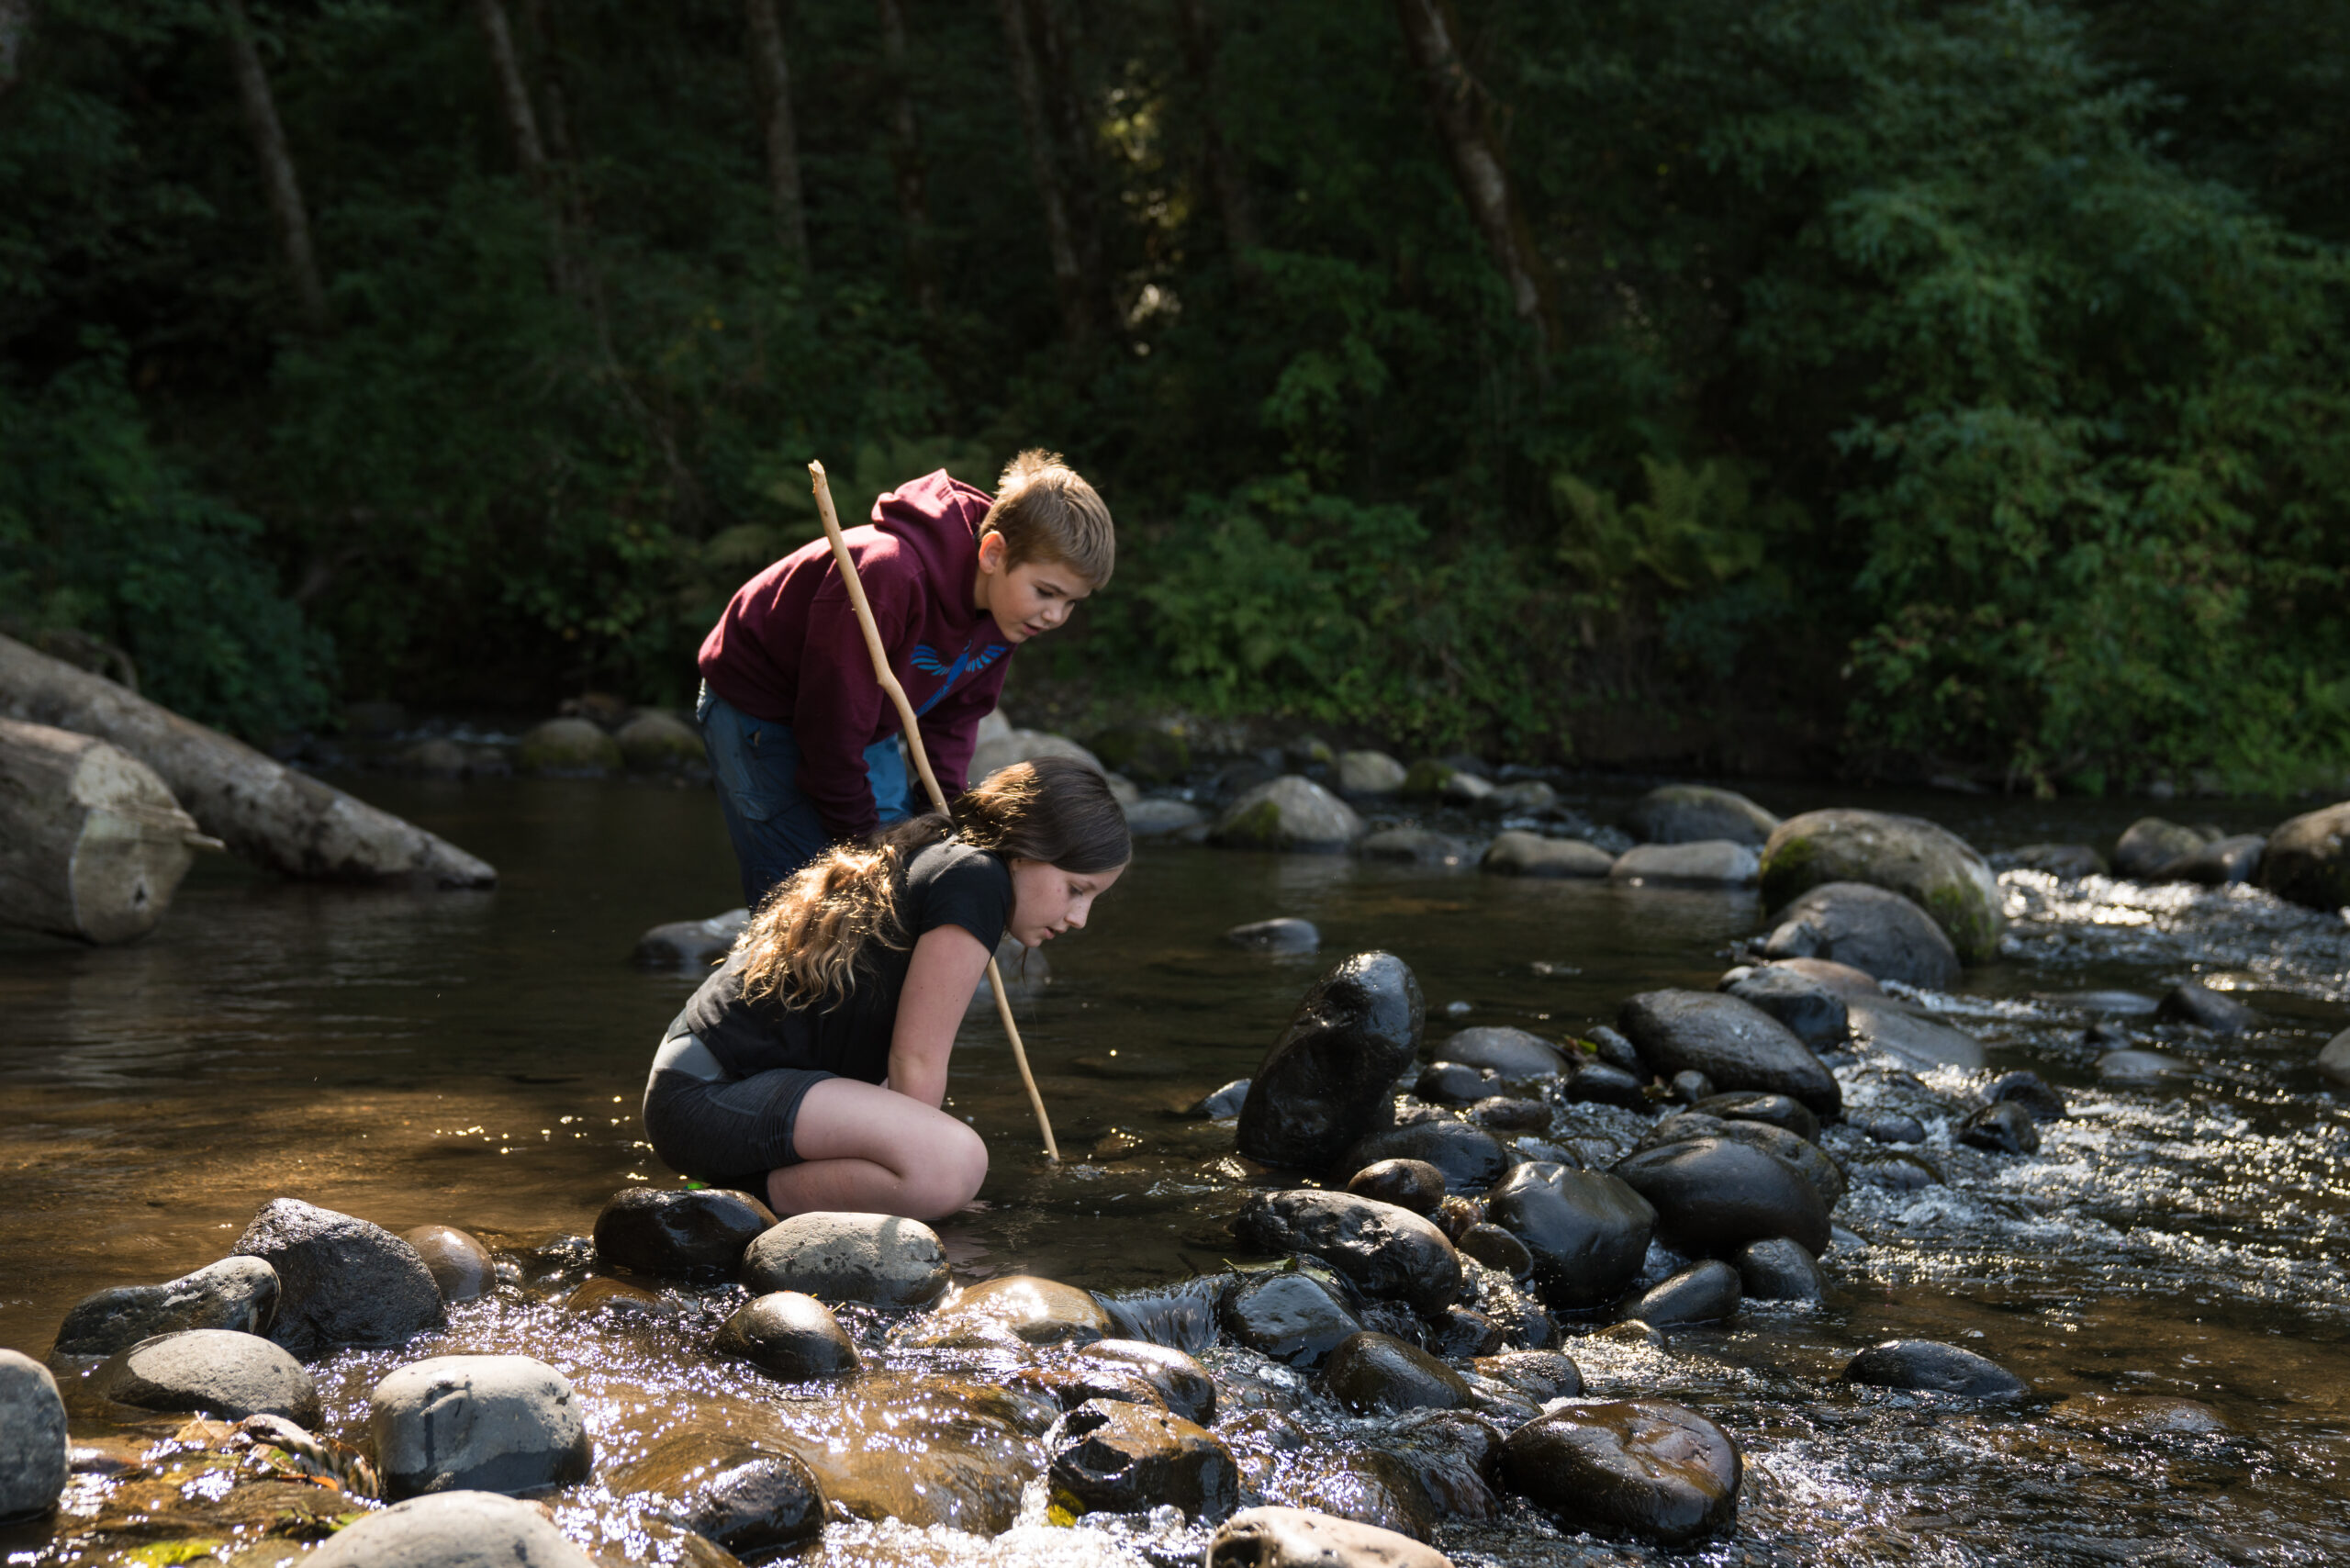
(91, 846)
(565, 163)
(905, 160)
(772, 72)
(1069, 278)
(1225, 178)
(513, 92)
(268, 813)
(1432, 33)
(16, 33)
(276, 167)
(1073, 153)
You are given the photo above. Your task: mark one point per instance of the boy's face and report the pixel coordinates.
(1033, 596)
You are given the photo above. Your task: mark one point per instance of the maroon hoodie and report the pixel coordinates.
(787, 649)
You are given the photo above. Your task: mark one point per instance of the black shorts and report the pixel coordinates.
(727, 1132)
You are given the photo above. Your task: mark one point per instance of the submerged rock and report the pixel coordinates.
(1300, 1538)
(1325, 1081)
(1514, 1053)
(237, 1295)
(2140, 1068)
(1734, 1043)
(214, 1371)
(1690, 813)
(728, 1491)
(1121, 1458)
(1780, 1269)
(878, 1259)
(1714, 1195)
(1540, 1375)
(1930, 1366)
(1911, 1038)
(1284, 934)
(1182, 1385)
(1020, 1308)
(457, 1261)
(1812, 1012)
(1413, 1184)
(1873, 929)
(793, 1336)
(453, 1529)
(924, 1450)
(1416, 845)
(2307, 860)
(1645, 1468)
(340, 1281)
(1708, 862)
(677, 1230)
(32, 1437)
(2005, 1127)
(1930, 866)
(2192, 1002)
(690, 944)
(1378, 1374)
(1289, 1316)
(1290, 813)
(1470, 1157)
(1381, 1249)
(1517, 852)
(1703, 1292)
(1588, 1232)
(478, 1423)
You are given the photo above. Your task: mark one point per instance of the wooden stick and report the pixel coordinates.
(882, 673)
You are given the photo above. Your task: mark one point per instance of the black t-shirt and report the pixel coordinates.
(945, 884)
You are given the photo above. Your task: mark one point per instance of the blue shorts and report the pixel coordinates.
(775, 829)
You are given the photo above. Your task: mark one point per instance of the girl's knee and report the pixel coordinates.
(953, 1171)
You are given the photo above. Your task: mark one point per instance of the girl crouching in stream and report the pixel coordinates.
(812, 1066)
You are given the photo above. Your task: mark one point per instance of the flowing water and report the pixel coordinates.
(475, 1059)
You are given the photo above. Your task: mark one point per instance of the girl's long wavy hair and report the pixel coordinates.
(805, 943)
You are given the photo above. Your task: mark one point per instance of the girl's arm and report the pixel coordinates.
(944, 971)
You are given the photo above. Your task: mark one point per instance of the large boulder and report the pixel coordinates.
(1290, 813)
(236, 1294)
(2149, 847)
(453, 1529)
(2307, 860)
(32, 1437)
(1325, 1081)
(656, 742)
(1519, 852)
(1711, 862)
(214, 1371)
(1300, 1538)
(678, 1230)
(1873, 929)
(1645, 1468)
(340, 1281)
(1002, 751)
(1930, 866)
(569, 748)
(477, 1423)
(1587, 1231)
(1381, 1249)
(877, 1260)
(1735, 1044)
(1688, 814)
(1714, 1194)
(1122, 1458)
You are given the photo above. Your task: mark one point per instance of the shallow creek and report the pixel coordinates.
(475, 1059)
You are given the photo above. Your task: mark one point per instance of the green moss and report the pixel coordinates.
(1259, 824)
(1787, 870)
(1427, 777)
(1972, 929)
(168, 1554)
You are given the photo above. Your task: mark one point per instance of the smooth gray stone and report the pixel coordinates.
(236, 1294)
(1299, 1538)
(1929, 1365)
(2141, 1066)
(1290, 813)
(1324, 1082)
(341, 1279)
(2149, 847)
(2192, 1002)
(2308, 858)
(32, 1437)
(795, 1337)
(1912, 1039)
(1511, 1053)
(1692, 813)
(1380, 1249)
(1734, 1043)
(477, 1423)
(1703, 1292)
(1587, 1232)
(1516, 852)
(1709, 862)
(1780, 1269)
(451, 1529)
(1930, 866)
(1156, 818)
(1714, 1194)
(878, 1259)
(1814, 1013)
(214, 1371)
(1873, 929)
(1417, 846)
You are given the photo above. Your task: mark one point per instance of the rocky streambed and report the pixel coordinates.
(1559, 1223)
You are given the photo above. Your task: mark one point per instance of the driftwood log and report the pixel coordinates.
(92, 845)
(259, 809)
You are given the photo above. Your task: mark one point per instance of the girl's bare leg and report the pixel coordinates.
(868, 1149)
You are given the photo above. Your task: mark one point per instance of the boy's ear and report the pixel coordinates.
(992, 550)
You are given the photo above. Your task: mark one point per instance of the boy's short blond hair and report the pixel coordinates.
(1047, 512)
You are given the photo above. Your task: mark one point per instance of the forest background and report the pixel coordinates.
(1879, 387)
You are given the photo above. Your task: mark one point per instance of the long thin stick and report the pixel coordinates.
(888, 680)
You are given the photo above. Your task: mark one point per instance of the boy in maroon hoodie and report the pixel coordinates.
(802, 740)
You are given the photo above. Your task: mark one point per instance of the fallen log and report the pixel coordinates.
(259, 809)
(92, 845)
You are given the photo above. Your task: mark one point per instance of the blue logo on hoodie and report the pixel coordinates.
(927, 660)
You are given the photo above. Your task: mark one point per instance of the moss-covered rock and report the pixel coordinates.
(1290, 813)
(654, 742)
(1146, 753)
(2308, 858)
(569, 748)
(1930, 866)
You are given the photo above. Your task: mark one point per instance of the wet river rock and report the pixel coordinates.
(1652, 1471)
(1470, 1157)
(2223, 862)
(1873, 929)
(1812, 1012)
(1929, 1366)
(453, 1529)
(1022, 1308)
(1714, 1194)
(479, 1423)
(1455, 1084)
(2005, 1127)
(237, 1295)
(1413, 1184)
(1517, 852)
(1182, 1385)
(1912, 1038)
(1734, 1043)
(1691, 813)
(2307, 860)
(1600, 1084)
(1300, 1538)
(2029, 1091)
(213, 1371)
(1383, 1249)
(1540, 1375)
(460, 1265)
(1510, 1053)
(1325, 1081)
(791, 1335)
(676, 1230)
(1290, 1316)
(1284, 934)
(1772, 1110)
(1703, 1292)
(2148, 847)
(1587, 1231)
(1379, 1374)
(877, 1260)
(1496, 1248)
(2193, 1002)
(340, 1281)
(32, 1437)
(924, 1450)
(728, 1491)
(1780, 1269)
(1121, 1458)
(1927, 865)
(1293, 813)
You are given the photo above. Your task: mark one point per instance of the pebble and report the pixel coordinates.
(460, 1265)
(1122, 1458)
(1413, 1184)
(340, 1280)
(239, 1294)
(479, 1423)
(877, 1260)
(1587, 1232)
(1703, 1292)
(1326, 1080)
(214, 1371)
(1734, 1043)
(1284, 934)
(32, 1437)
(1379, 1374)
(1298, 1538)
(678, 1230)
(1930, 1366)
(2005, 1127)
(1780, 1269)
(1382, 1248)
(1289, 1316)
(790, 1334)
(1645, 1469)
(451, 1530)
